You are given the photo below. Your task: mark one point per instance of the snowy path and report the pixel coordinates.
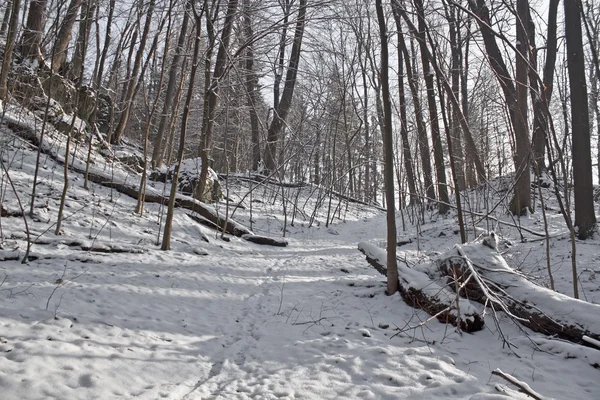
(243, 322)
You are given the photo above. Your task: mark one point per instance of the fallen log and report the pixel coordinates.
(420, 292)
(265, 240)
(538, 308)
(49, 147)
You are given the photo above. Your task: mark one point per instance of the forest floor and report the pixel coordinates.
(236, 320)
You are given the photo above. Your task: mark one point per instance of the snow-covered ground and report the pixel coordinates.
(236, 320)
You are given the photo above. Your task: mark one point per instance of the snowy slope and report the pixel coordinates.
(236, 320)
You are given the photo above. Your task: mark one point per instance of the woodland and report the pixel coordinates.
(247, 152)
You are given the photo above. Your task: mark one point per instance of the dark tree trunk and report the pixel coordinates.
(252, 94)
(166, 243)
(455, 71)
(421, 131)
(585, 218)
(85, 24)
(170, 99)
(521, 200)
(408, 162)
(540, 123)
(213, 94)
(283, 107)
(515, 102)
(131, 86)
(438, 152)
(31, 39)
(64, 34)
(8, 49)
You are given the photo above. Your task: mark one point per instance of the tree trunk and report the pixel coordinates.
(388, 155)
(280, 114)
(252, 93)
(521, 201)
(31, 39)
(169, 103)
(496, 284)
(421, 131)
(420, 292)
(408, 162)
(455, 71)
(438, 152)
(166, 243)
(585, 219)
(85, 24)
(213, 95)
(131, 86)
(64, 34)
(9, 47)
(6, 18)
(515, 102)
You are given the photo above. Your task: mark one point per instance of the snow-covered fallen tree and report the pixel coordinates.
(488, 279)
(19, 121)
(419, 291)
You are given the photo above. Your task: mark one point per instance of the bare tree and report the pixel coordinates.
(170, 101)
(9, 47)
(31, 39)
(132, 83)
(388, 138)
(514, 97)
(212, 95)
(438, 155)
(284, 104)
(166, 243)
(585, 218)
(64, 34)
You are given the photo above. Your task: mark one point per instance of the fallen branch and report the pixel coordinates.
(523, 387)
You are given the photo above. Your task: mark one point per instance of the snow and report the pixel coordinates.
(234, 320)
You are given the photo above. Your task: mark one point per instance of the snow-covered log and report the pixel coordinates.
(419, 291)
(265, 240)
(119, 183)
(494, 282)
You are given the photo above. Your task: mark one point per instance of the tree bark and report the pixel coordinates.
(408, 162)
(31, 38)
(585, 218)
(540, 123)
(85, 25)
(494, 283)
(166, 243)
(515, 98)
(64, 34)
(388, 153)
(131, 85)
(455, 71)
(420, 292)
(521, 201)
(170, 100)
(284, 105)
(421, 131)
(213, 95)
(438, 152)
(9, 47)
(252, 93)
